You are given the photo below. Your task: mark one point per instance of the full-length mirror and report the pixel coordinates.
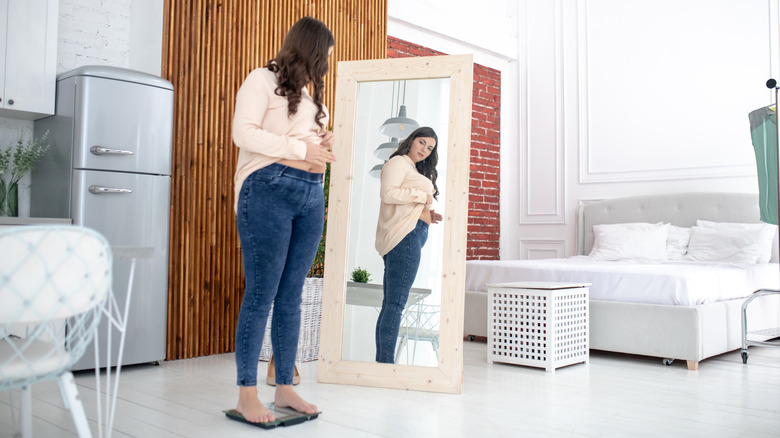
(424, 102)
(429, 91)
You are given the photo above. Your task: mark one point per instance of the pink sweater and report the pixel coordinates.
(262, 130)
(404, 193)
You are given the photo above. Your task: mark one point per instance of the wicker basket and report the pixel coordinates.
(309, 337)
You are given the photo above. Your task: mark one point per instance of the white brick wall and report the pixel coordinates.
(93, 32)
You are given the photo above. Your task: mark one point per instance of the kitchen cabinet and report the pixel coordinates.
(28, 58)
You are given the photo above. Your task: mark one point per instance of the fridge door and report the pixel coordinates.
(122, 126)
(131, 210)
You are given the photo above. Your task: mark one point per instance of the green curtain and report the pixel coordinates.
(763, 132)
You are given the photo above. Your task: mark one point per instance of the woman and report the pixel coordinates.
(283, 150)
(407, 190)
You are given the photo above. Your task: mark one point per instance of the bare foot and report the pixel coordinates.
(286, 397)
(250, 407)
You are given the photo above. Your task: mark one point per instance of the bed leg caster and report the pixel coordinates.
(668, 361)
(744, 355)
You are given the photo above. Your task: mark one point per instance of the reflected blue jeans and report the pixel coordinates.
(401, 265)
(279, 219)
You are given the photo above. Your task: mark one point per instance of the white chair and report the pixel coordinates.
(54, 281)
(419, 323)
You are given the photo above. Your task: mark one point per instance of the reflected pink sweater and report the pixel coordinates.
(262, 130)
(404, 192)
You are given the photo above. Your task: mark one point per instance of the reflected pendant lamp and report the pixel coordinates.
(384, 150)
(376, 171)
(399, 127)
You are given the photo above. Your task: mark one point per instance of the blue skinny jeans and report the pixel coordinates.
(279, 219)
(401, 265)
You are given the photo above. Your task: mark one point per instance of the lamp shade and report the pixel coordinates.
(376, 171)
(384, 150)
(399, 127)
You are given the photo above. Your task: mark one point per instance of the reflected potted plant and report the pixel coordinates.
(15, 163)
(360, 275)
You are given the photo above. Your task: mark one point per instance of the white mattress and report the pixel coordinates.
(675, 283)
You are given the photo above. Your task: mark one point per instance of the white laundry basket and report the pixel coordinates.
(538, 324)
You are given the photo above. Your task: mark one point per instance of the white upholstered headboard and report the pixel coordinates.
(681, 209)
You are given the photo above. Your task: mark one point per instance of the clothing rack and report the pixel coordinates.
(767, 334)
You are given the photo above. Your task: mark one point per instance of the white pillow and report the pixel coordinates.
(632, 241)
(677, 243)
(759, 233)
(722, 245)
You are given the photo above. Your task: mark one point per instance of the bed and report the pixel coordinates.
(678, 309)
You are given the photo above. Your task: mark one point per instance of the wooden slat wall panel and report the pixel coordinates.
(210, 46)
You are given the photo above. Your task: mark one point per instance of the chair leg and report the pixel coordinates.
(25, 412)
(68, 386)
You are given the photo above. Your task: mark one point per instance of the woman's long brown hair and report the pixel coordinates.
(426, 167)
(303, 59)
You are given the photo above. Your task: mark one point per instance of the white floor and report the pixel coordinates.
(612, 396)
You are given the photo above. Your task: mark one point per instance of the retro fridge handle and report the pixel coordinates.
(99, 150)
(99, 190)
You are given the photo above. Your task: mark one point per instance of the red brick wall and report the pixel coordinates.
(484, 224)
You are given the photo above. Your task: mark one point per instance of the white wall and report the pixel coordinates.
(93, 32)
(606, 98)
(120, 33)
(632, 98)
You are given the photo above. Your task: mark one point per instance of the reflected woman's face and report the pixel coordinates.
(421, 148)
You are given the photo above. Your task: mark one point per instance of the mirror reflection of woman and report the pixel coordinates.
(408, 188)
(283, 150)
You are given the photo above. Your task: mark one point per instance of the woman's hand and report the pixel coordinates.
(317, 153)
(436, 217)
(328, 140)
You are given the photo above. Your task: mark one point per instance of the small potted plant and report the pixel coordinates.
(360, 275)
(15, 163)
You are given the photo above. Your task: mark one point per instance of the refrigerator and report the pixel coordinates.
(108, 168)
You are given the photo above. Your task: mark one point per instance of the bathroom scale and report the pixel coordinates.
(283, 417)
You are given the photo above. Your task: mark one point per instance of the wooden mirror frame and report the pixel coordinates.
(448, 376)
